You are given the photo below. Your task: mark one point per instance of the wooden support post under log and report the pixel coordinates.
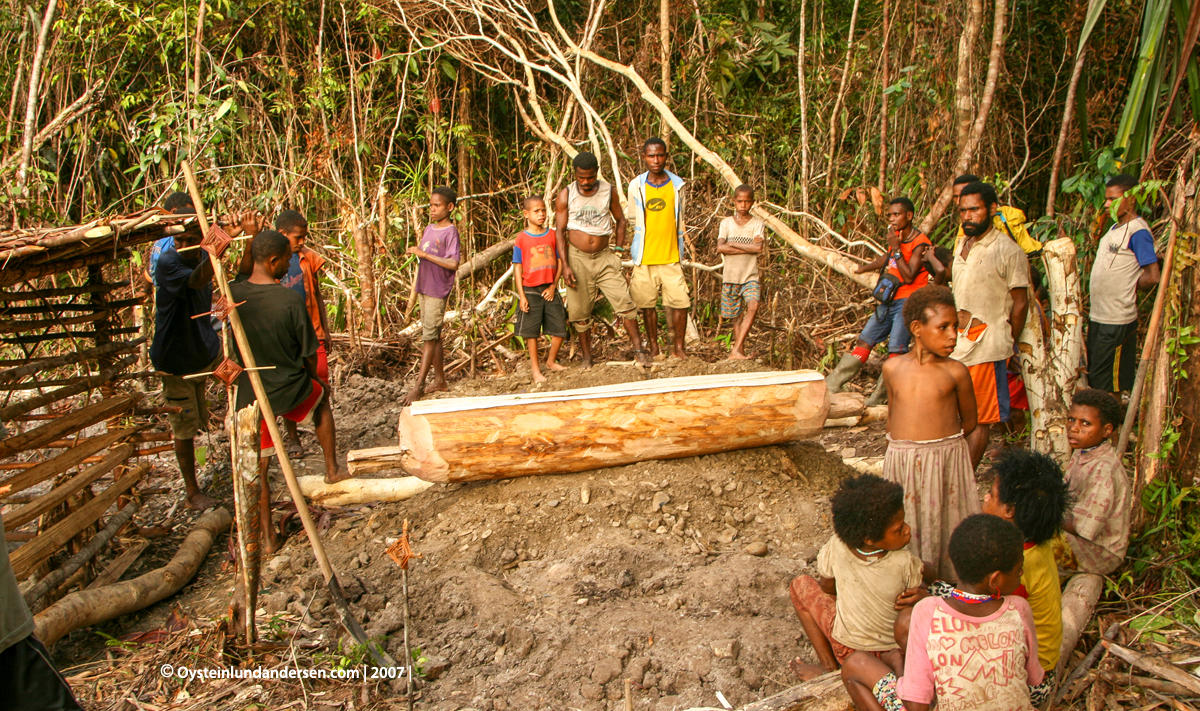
(92, 606)
(63, 462)
(73, 422)
(88, 552)
(42, 364)
(29, 556)
(470, 439)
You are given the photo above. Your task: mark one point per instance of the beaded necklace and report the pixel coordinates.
(971, 598)
(868, 553)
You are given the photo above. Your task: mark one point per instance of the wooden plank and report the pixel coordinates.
(63, 491)
(29, 556)
(73, 422)
(33, 403)
(60, 335)
(38, 294)
(373, 460)
(114, 570)
(15, 275)
(59, 307)
(59, 578)
(39, 365)
(34, 324)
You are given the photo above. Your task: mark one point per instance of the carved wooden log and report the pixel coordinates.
(469, 439)
(247, 486)
(361, 491)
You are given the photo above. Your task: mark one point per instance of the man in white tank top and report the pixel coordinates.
(586, 214)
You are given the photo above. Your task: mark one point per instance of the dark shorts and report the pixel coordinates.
(1112, 356)
(29, 680)
(548, 317)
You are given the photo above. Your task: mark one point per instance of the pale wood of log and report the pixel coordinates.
(361, 491)
(372, 461)
(1160, 669)
(73, 422)
(90, 607)
(470, 439)
(63, 462)
(29, 556)
(246, 490)
(845, 405)
(93, 547)
(825, 693)
(1078, 601)
(114, 570)
(63, 491)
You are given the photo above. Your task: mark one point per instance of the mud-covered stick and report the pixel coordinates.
(310, 527)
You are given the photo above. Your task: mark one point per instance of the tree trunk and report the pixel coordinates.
(834, 116)
(881, 185)
(664, 37)
(966, 155)
(1050, 361)
(90, 607)
(804, 160)
(1187, 457)
(366, 276)
(35, 80)
(469, 439)
(1064, 132)
(1078, 601)
(963, 105)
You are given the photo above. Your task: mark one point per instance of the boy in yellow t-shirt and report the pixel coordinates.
(1029, 490)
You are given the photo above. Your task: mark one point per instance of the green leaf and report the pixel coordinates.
(226, 105)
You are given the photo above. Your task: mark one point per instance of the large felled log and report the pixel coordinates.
(361, 491)
(1078, 601)
(483, 258)
(90, 607)
(469, 439)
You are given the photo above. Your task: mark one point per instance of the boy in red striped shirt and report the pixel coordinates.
(536, 268)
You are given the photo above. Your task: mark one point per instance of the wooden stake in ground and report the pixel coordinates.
(402, 553)
(244, 437)
(310, 527)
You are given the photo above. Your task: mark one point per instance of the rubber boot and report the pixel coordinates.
(846, 369)
(878, 395)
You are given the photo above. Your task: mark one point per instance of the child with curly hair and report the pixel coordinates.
(865, 576)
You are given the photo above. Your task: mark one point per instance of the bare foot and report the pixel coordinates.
(340, 475)
(556, 366)
(678, 353)
(539, 378)
(586, 362)
(272, 541)
(413, 395)
(201, 501)
(642, 357)
(805, 671)
(438, 387)
(738, 355)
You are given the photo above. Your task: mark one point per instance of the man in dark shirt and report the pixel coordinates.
(184, 345)
(281, 335)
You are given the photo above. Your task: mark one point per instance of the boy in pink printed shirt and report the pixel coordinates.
(973, 651)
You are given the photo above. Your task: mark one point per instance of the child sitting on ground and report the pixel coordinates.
(972, 651)
(931, 409)
(740, 241)
(1029, 491)
(1096, 529)
(438, 256)
(282, 339)
(536, 268)
(865, 577)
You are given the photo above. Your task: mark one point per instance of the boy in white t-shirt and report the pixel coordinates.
(1125, 264)
(740, 241)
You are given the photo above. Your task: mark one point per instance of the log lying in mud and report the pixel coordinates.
(93, 606)
(361, 491)
(470, 439)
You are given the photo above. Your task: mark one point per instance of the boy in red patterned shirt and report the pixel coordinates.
(536, 267)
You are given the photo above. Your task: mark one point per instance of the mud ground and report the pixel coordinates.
(533, 593)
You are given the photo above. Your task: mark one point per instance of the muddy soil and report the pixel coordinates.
(541, 592)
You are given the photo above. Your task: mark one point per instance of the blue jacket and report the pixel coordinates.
(637, 208)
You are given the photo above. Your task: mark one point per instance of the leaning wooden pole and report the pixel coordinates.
(310, 527)
(1152, 331)
(244, 432)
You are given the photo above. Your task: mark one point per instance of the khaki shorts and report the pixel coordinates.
(433, 312)
(596, 273)
(649, 278)
(189, 395)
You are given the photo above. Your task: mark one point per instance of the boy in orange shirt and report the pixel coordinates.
(536, 268)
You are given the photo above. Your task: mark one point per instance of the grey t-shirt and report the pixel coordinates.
(740, 268)
(15, 621)
(281, 334)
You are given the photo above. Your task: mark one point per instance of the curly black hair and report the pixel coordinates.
(917, 307)
(983, 544)
(447, 194)
(863, 507)
(1104, 403)
(1033, 485)
(289, 220)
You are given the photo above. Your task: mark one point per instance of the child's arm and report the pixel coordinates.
(968, 411)
(941, 275)
(324, 316)
(519, 287)
(250, 223)
(828, 585)
(443, 262)
(873, 265)
(910, 269)
(552, 288)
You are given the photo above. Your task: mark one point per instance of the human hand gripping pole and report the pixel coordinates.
(351, 624)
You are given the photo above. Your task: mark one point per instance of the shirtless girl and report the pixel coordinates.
(586, 214)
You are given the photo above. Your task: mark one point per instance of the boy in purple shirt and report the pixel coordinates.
(438, 255)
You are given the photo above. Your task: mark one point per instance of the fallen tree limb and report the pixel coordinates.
(90, 607)
(1159, 669)
(825, 693)
(484, 258)
(1078, 601)
(362, 491)
(1084, 664)
(1163, 687)
(89, 551)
